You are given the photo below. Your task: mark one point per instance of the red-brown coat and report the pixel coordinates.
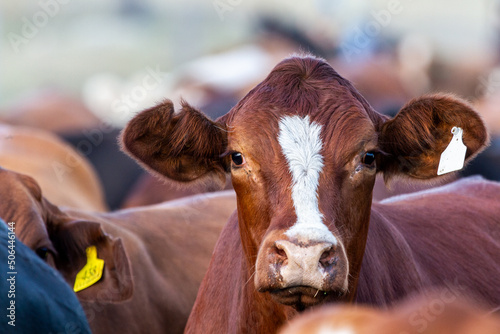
(303, 149)
(155, 257)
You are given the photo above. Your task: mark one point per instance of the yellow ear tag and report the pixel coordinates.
(91, 272)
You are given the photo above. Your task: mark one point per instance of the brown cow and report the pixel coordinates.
(51, 110)
(66, 177)
(303, 149)
(150, 190)
(440, 312)
(154, 257)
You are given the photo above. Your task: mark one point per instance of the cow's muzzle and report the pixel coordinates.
(301, 274)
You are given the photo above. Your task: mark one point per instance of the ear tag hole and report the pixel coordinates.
(91, 273)
(453, 157)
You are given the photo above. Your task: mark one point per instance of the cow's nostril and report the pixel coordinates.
(328, 258)
(280, 252)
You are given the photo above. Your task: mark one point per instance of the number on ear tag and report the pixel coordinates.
(453, 157)
(91, 272)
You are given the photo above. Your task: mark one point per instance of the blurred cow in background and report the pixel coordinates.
(442, 312)
(150, 189)
(71, 120)
(50, 110)
(66, 177)
(488, 106)
(154, 257)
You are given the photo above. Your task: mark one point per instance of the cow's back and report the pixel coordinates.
(169, 246)
(66, 178)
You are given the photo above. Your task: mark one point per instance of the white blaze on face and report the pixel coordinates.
(301, 144)
(330, 330)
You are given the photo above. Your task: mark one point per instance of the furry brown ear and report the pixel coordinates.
(71, 240)
(417, 136)
(184, 147)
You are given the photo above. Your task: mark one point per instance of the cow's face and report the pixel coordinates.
(61, 240)
(304, 183)
(303, 148)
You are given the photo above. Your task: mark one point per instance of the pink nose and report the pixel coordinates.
(305, 265)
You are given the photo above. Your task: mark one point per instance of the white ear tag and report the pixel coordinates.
(453, 157)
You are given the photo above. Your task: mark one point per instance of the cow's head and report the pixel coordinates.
(303, 148)
(61, 240)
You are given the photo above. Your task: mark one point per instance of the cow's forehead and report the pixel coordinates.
(344, 127)
(303, 87)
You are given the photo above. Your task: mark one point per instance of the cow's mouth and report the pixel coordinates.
(301, 297)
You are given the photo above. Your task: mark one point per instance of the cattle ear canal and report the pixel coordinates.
(415, 138)
(185, 147)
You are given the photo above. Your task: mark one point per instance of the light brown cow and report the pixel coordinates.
(67, 178)
(440, 312)
(51, 110)
(150, 190)
(303, 148)
(154, 257)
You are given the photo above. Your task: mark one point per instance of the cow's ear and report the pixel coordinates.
(415, 138)
(183, 147)
(71, 240)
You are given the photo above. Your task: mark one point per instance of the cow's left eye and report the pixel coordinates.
(237, 159)
(43, 253)
(369, 158)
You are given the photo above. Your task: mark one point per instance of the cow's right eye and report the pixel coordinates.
(237, 159)
(369, 158)
(43, 253)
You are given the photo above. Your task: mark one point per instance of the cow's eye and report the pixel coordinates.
(237, 158)
(369, 158)
(42, 252)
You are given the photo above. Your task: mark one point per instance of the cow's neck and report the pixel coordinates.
(388, 271)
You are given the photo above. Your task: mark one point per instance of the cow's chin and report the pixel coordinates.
(302, 297)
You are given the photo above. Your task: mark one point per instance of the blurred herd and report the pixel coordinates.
(81, 70)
